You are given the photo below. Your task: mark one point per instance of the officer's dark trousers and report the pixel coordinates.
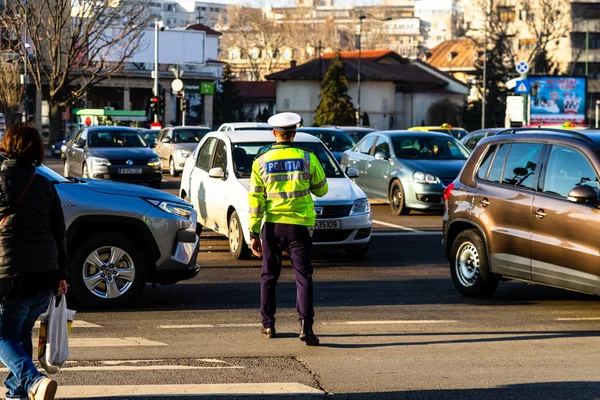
(296, 240)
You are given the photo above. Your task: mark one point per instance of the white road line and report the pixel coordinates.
(76, 324)
(113, 342)
(200, 326)
(393, 322)
(92, 391)
(106, 368)
(410, 233)
(404, 228)
(578, 319)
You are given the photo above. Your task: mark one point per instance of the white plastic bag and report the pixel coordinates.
(55, 326)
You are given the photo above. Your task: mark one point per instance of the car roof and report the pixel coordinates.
(191, 127)
(262, 136)
(429, 128)
(419, 134)
(111, 128)
(495, 130)
(590, 136)
(248, 124)
(355, 128)
(324, 130)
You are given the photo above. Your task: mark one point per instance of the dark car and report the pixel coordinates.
(470, 141)
(112, 153)
(526, 207)
(407, 169)
(335, 140)
(56, 148)
(149, 136)
(355, 132)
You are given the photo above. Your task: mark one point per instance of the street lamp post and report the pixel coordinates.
(360, 21)
(158, 25)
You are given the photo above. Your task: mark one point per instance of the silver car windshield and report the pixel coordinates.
(189, 135)
(429, 148)
(244, 154)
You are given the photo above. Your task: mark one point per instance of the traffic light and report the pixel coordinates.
(154, 104)
(161, 105)
(184, 105)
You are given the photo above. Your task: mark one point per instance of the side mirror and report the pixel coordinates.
(583, 194)
(77, 145)
(352, 173)
(380, 155)
(216, 173)
(166, 140)
(153, 145)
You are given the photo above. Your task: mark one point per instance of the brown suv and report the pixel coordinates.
(525, 207)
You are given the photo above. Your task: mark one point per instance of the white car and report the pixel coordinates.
(216, 179)
(245, 126)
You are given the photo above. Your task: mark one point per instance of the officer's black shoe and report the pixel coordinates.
(269, 332)
(307, 335)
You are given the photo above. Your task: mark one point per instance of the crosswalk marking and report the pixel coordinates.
(94, 391)
(578, 319)
(404, 228)
(392, 322)
(113, 342)
(76, 324)
(200, 326)
(407, 233)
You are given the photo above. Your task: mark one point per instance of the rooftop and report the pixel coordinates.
(454, 55)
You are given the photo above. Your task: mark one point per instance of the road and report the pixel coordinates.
(391, 327)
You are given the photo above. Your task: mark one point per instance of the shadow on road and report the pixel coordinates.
(546, 391)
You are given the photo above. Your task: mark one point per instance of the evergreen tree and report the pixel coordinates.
(335, 105)
(263, 116)
(366, 121)
(227, 103)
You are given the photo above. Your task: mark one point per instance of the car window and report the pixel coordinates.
(161, 135)
(189, 135)
(485, 164)
(220, 158)
(335, 141)
(473, 140)
(365, 148)
(205, 153)
(521, 164)
(495, 173)
(244, 154)
(429, 148)
(382, 146)
(115, 138)
(567, 169)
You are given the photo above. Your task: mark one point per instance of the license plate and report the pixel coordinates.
(130, 170)
(328, 224)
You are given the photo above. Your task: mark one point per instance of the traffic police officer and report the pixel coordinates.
(281, 184)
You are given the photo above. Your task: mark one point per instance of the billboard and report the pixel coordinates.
(558, 99)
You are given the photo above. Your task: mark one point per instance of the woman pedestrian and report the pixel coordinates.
(33, 258)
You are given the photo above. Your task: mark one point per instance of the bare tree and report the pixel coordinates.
(11, 90)
(75, 44)
(547, 22)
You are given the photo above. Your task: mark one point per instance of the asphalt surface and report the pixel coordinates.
(391, 326)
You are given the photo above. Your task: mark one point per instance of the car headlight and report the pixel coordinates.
(425, 179)
(100, 162)
(361, 206)
(177, 209)
(183, 153)
(155, 162)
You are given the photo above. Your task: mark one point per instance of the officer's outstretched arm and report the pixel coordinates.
(318, 182)
(256, 199)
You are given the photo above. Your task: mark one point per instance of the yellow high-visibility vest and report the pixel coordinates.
(281, 185)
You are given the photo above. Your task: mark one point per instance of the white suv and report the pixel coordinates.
(216, 179)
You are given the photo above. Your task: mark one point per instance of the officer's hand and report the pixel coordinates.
(256, 247)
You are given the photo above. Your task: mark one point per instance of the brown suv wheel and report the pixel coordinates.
(469, 266)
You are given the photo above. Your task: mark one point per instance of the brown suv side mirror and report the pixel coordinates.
(583, 194)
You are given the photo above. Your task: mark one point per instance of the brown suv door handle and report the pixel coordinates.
(484, 202)
(540, 213)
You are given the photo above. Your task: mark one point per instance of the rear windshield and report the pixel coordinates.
(189, 135)
(115, 138)
(245, 153)
(254, 128)
(335, 141)
(425, 148)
